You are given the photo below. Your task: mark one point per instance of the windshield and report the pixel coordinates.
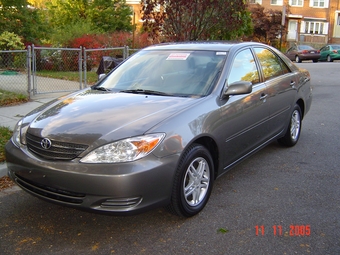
(175, 73)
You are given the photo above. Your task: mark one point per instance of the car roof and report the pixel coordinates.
(201, 45)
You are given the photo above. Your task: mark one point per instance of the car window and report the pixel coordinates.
(272, 65)
(244, 68)
(284, 67)
(305, 47)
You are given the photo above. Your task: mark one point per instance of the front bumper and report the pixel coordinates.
(122, 188)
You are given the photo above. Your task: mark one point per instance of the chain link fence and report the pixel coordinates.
(40, 70)
(13, 71)
(101, 61)
(56, 69)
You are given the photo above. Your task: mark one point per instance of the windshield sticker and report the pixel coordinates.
(221, 53)
(178, 56)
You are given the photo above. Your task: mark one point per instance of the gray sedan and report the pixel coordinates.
(160, 127)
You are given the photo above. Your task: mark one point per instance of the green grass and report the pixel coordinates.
(8, 98)
(5, 135)
(91, 77)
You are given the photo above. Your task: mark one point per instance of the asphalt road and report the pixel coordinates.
(293, 194)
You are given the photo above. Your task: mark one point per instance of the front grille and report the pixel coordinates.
(50, 192)
(58, 150)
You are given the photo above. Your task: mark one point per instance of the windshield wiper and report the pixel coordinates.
(101, 88)
(146, 92)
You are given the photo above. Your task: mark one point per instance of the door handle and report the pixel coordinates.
(292, 83)
(263, 97)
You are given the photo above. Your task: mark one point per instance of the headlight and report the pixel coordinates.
(16, 134)
(19, 133)
(125, 150)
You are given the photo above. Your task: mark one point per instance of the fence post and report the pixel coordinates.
(126, 52)
(34, 72)
(29, 71)
(80, 67)
(85, 67)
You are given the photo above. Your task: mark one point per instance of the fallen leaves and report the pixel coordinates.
(5, 183)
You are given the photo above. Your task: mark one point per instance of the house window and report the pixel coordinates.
(276, 2)
(338, 19)
(319, 3)
(298, 3)
(255, 1)
(312, 27)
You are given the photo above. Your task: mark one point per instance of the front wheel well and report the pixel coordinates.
(212, 147)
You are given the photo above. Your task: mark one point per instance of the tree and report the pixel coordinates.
(110, 16)
(267, 25)
(16, 16)
(38, 3)
(181, 20)
(103, 15)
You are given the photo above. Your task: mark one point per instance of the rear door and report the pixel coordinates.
(281, 89)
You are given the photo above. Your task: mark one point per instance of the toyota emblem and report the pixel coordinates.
(46, 143)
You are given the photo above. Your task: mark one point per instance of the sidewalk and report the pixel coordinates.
(10, 115)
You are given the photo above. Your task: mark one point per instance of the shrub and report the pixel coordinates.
(117, 39)
(10, 41)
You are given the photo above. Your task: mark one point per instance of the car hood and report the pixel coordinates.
(91, 116)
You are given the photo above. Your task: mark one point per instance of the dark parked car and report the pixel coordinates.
(160, 128)
(298, 53)
(330, 52)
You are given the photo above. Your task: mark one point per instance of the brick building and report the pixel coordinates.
(315, 22)
(136, 7)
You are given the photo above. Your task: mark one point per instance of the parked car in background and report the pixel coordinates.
(330, 52)
(299, 53)
(160, 128)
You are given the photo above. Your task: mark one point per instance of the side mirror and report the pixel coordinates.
(238, 88)
(101, 76)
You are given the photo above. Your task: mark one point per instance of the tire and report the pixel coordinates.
(329, 58)
(297, 59)
(193, 182)
(294, 129)
(315, 60)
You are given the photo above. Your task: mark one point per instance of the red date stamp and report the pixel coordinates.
(277, 230)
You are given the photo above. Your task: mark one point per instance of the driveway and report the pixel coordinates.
(42, 85)
(279, 201)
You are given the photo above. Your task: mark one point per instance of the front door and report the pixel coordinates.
(292, 30)
(245, 116)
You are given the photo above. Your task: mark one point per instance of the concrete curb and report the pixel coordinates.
(3, 170)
